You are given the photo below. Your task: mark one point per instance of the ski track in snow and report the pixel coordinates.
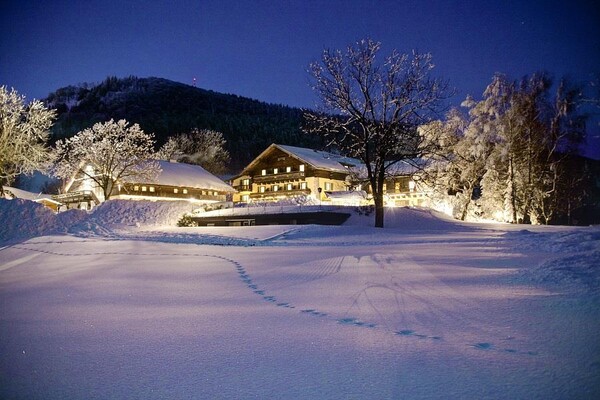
(402, 292)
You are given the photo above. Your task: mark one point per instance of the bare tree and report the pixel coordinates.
(202, 147)
(108, 153)
(24, 131)
(371, 110)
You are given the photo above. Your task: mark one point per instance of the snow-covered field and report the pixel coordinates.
(121, 304)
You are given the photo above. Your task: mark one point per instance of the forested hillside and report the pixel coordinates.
(166, 108)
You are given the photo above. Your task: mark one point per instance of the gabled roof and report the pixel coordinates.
(181, 174)
(315, 158)
(408, 167)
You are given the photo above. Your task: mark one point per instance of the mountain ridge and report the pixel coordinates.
(165, 108)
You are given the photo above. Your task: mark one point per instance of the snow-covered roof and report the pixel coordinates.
(23, 194)
(407, 167)
(315, 158)
(320, 159)
(181, 174)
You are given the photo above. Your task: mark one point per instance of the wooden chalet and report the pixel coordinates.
(282, 172)
(176, 181)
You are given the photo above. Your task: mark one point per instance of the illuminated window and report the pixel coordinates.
(175, 190)
(136, 188)
(262, 189)
(289, 186)
(185, 191)
(275, 170)
(411, 186)
(245, 197)
(301, 168)
(275, 188)
(288, 169)
(144, 188)
(152, 189)
(264, 172)
(328, 186)
(246, 182)
(302, 185)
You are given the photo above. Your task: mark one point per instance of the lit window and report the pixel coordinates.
(185, 191)
(136, 188)
(245, 197)
(144, 188)
(275, 188)
(328, 186)
(246, 182)
(175, 190)
(264, 172)
(302, 185)
(288, 169)
(411, 186)
(204, 193)
(275, 170)
(152, 189)
(301, 168)
(262, 189)
(289, 186)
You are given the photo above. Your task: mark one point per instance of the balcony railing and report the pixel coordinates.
(279, 177)
(76, 197)
(282, 193)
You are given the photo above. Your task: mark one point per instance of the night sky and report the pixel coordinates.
(261, 49)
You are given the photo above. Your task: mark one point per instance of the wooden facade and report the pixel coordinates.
(284, 172)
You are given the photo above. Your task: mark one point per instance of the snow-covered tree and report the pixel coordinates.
(108, 153)
(202, 147)
(512, 147)
(24, 131)
(371, 109)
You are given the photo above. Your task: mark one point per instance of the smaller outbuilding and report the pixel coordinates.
(45, 199)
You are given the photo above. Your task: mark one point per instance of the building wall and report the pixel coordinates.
(261, 187)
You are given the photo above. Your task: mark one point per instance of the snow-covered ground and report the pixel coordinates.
(120, 303)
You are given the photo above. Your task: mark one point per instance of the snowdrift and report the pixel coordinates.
(24, 219)
(21, 219)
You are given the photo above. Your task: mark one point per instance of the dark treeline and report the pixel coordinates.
(166, 108)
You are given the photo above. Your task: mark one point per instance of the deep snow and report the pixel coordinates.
(120, 303)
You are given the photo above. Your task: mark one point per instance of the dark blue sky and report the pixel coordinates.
(261, 49)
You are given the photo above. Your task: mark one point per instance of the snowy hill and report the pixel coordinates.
(165, 108)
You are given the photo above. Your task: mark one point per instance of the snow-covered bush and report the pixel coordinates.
(186, 220)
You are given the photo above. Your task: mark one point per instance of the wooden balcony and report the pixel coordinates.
(284, 176)
(280, 193)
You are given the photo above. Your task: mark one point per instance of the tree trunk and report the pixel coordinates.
(379, 209)
(378, 198)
